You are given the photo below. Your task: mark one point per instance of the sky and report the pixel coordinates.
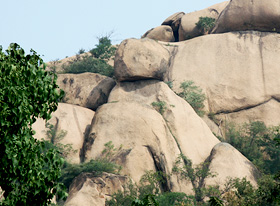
(59, 28)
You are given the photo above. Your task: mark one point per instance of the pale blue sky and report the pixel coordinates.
(59, 28)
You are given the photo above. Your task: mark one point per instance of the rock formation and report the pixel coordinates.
(140, 59)
(87, 89)
(160, 33)
(237, 71)
(71, 123)
(188, 28)
(88, 190)
(242, 15)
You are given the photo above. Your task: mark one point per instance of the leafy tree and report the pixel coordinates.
(205, 24)
(27, 175)
(193, 95)
(104, 49)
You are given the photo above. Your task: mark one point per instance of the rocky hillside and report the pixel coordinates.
(236, 66)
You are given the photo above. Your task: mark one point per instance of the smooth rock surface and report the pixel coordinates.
(242, 15)
(188, 28)
(236, 70)
(226, 161)
(160, 33)
(154, 141)
(72, 119)
(267, 112)
(141, 59)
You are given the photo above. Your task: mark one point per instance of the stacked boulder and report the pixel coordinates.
(236, 68)
(181, 26)
(242, 15)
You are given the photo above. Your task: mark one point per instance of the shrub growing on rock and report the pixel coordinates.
(193, 95)
(205, 24)
(90, 64)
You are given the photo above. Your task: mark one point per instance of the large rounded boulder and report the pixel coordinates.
(242, 15)
(188, 28)
(88, 90)
(174, 21)
(160, 33)
(236, 71)
(141, 59)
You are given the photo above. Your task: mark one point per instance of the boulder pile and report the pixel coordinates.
(236, 66)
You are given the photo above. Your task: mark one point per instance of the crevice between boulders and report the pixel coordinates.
(247, 108)
(159, 165)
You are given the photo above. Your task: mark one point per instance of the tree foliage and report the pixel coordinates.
(258, 143)
(104, 49)
(193, 95)
(27, 175)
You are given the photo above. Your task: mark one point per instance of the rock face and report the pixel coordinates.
(88, 190)
(227, 162)
(160, 33)
(267, 112)
(140, 59)
(236, 70)
(153, 141)
(174, 21)
(72, 119)
(88, 90)
(188, 28)
(242, 15)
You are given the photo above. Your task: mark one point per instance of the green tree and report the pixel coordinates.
(28, 176)
(104, 49)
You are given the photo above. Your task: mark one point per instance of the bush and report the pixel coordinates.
(90, 64)
(160, 106)
(104, 163)
(193, 95)
(97, 63)
(196, 175)
(96, 167)
(149, 186)
(205, 24)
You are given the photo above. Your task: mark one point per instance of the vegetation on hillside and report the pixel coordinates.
(97, 62)
(258, 143)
